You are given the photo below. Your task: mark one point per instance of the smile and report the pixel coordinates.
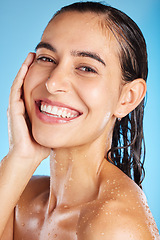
(49, 111)
(55, 111)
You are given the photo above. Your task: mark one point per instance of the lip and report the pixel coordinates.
(58, 104)
(50, 119)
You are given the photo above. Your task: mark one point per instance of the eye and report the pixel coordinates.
(87, 69)
(46, 59)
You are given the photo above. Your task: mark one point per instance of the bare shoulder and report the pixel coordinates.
(119, 212)
(31, 207)
(35, 191)
(36, 186)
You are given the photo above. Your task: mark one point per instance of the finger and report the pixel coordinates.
(28, 61)
(16, 89)
(24, 68)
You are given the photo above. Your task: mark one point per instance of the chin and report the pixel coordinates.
(42, 140)
(50, 140)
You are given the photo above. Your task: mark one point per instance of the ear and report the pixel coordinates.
(131, 96)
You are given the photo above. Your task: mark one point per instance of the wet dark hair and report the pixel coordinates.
(128, 147)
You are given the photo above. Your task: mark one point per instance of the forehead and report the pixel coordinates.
(81, 28)
(74, 18)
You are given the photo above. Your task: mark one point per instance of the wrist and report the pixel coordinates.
(21, 162)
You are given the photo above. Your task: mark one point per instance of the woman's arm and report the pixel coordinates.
(24, 155)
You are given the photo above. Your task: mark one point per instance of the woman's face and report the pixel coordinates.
(73, 86)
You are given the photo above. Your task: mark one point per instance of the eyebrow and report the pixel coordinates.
(92, 55)
(45, 45)
(88, 54)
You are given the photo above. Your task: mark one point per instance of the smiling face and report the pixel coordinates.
(73, 86)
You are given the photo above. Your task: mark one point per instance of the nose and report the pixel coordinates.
(57, 82)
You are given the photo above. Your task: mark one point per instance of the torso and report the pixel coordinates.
(118, 196)
(32, 220)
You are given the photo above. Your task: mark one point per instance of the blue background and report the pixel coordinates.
(22, 24)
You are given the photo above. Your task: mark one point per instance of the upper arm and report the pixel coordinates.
(124, 230)
(8, 232)
(116, 223)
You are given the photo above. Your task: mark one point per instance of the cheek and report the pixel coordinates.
(35, 76)
(101, 100)
(99, 96)
(31, 78)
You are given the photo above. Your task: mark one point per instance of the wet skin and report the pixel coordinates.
(86, 197)
(119, 207)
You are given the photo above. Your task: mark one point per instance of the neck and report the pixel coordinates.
(74, 175)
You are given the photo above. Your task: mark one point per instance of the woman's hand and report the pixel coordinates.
(21, 141)
(24, 156)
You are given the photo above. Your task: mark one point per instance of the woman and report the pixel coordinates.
(79, 99)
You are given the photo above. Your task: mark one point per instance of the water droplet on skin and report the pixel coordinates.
(139, 226)
(65, 206)
(102, 234)
(90, 225)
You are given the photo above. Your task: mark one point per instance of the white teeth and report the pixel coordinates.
(59, 112)
(49, 109)
(64, 114)
(68, 115)
(44, 108)
(56, 111)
